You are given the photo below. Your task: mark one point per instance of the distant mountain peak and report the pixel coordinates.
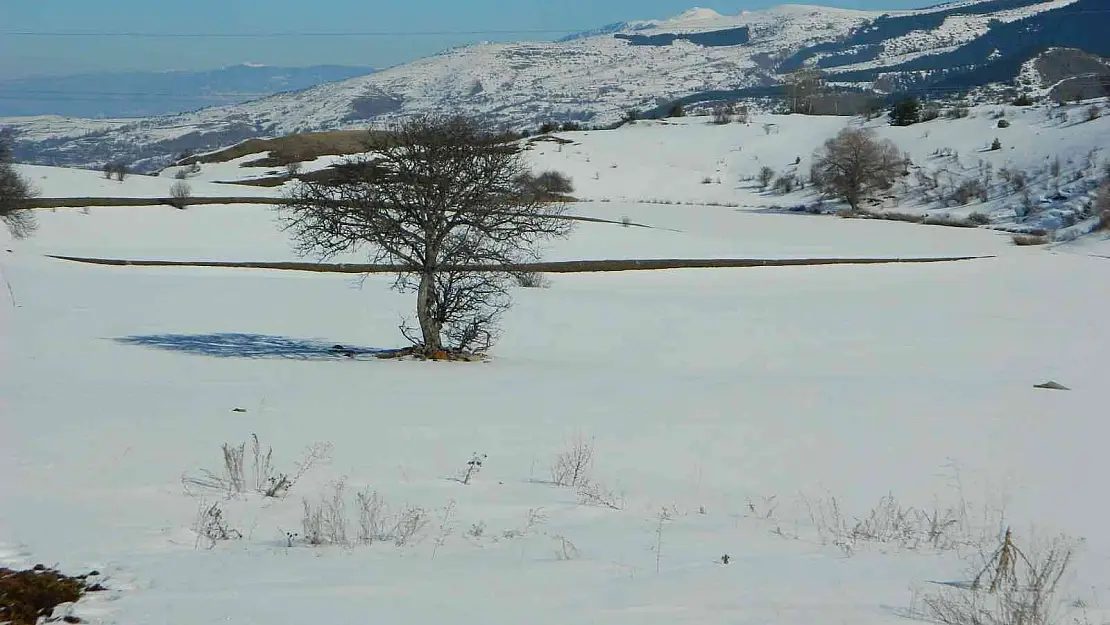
(697, 14)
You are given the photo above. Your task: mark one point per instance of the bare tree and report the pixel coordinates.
(440, 201)
(854, 163)
(722, 114)
(801, 87)
(1102, 205)
(180, 194)
(15, 191)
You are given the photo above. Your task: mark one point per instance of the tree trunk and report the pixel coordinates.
(429, 327)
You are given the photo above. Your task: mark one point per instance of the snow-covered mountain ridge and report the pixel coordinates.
(596, 77)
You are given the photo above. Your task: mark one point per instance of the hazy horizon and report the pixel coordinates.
(78, 37)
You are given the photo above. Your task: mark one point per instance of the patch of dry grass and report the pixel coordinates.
(25, 596)
(1030, 239)
(290, 149)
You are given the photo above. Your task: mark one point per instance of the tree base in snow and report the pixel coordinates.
(422, 353)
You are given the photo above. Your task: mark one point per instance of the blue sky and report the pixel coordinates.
(27, 55)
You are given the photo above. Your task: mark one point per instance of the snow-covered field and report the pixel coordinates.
(1061, 155)
(738, 401)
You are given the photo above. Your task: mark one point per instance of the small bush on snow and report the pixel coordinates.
(211, 526)
(785, 183)
(722, 115)
(967, 191)
(957, 112)
(766, 174)
(531, 280)
(264, 479)
(572, 467)
(1094, 112)
(325, 521)
(1017, 178)
(892, 523)
(473, 467)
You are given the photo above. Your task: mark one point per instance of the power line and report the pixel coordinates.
(371, 33)
(274, 35)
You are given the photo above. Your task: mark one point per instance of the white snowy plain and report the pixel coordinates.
(705, 392)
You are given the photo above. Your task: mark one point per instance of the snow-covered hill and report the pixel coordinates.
(594, 78)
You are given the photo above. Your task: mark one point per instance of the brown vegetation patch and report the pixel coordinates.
(293, 148)
(441, 355)
(1031, 239)
(25, 596)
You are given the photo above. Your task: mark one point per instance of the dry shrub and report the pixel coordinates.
(785, 184)
(211, 526)
(967, 191)
(766, 174)
(890, 522)
(531, 280)
(572, 467)
(1017, 178)
(265, 480)
(325, 522)
(957, 112)
(1012, 587)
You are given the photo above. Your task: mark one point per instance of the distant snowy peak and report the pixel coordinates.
(699, 20)
(697, 14)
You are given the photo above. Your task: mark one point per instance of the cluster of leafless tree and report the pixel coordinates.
(452, 208)
(116, 169)
(15, 190)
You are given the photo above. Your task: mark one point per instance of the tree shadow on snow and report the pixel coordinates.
(236, 345)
